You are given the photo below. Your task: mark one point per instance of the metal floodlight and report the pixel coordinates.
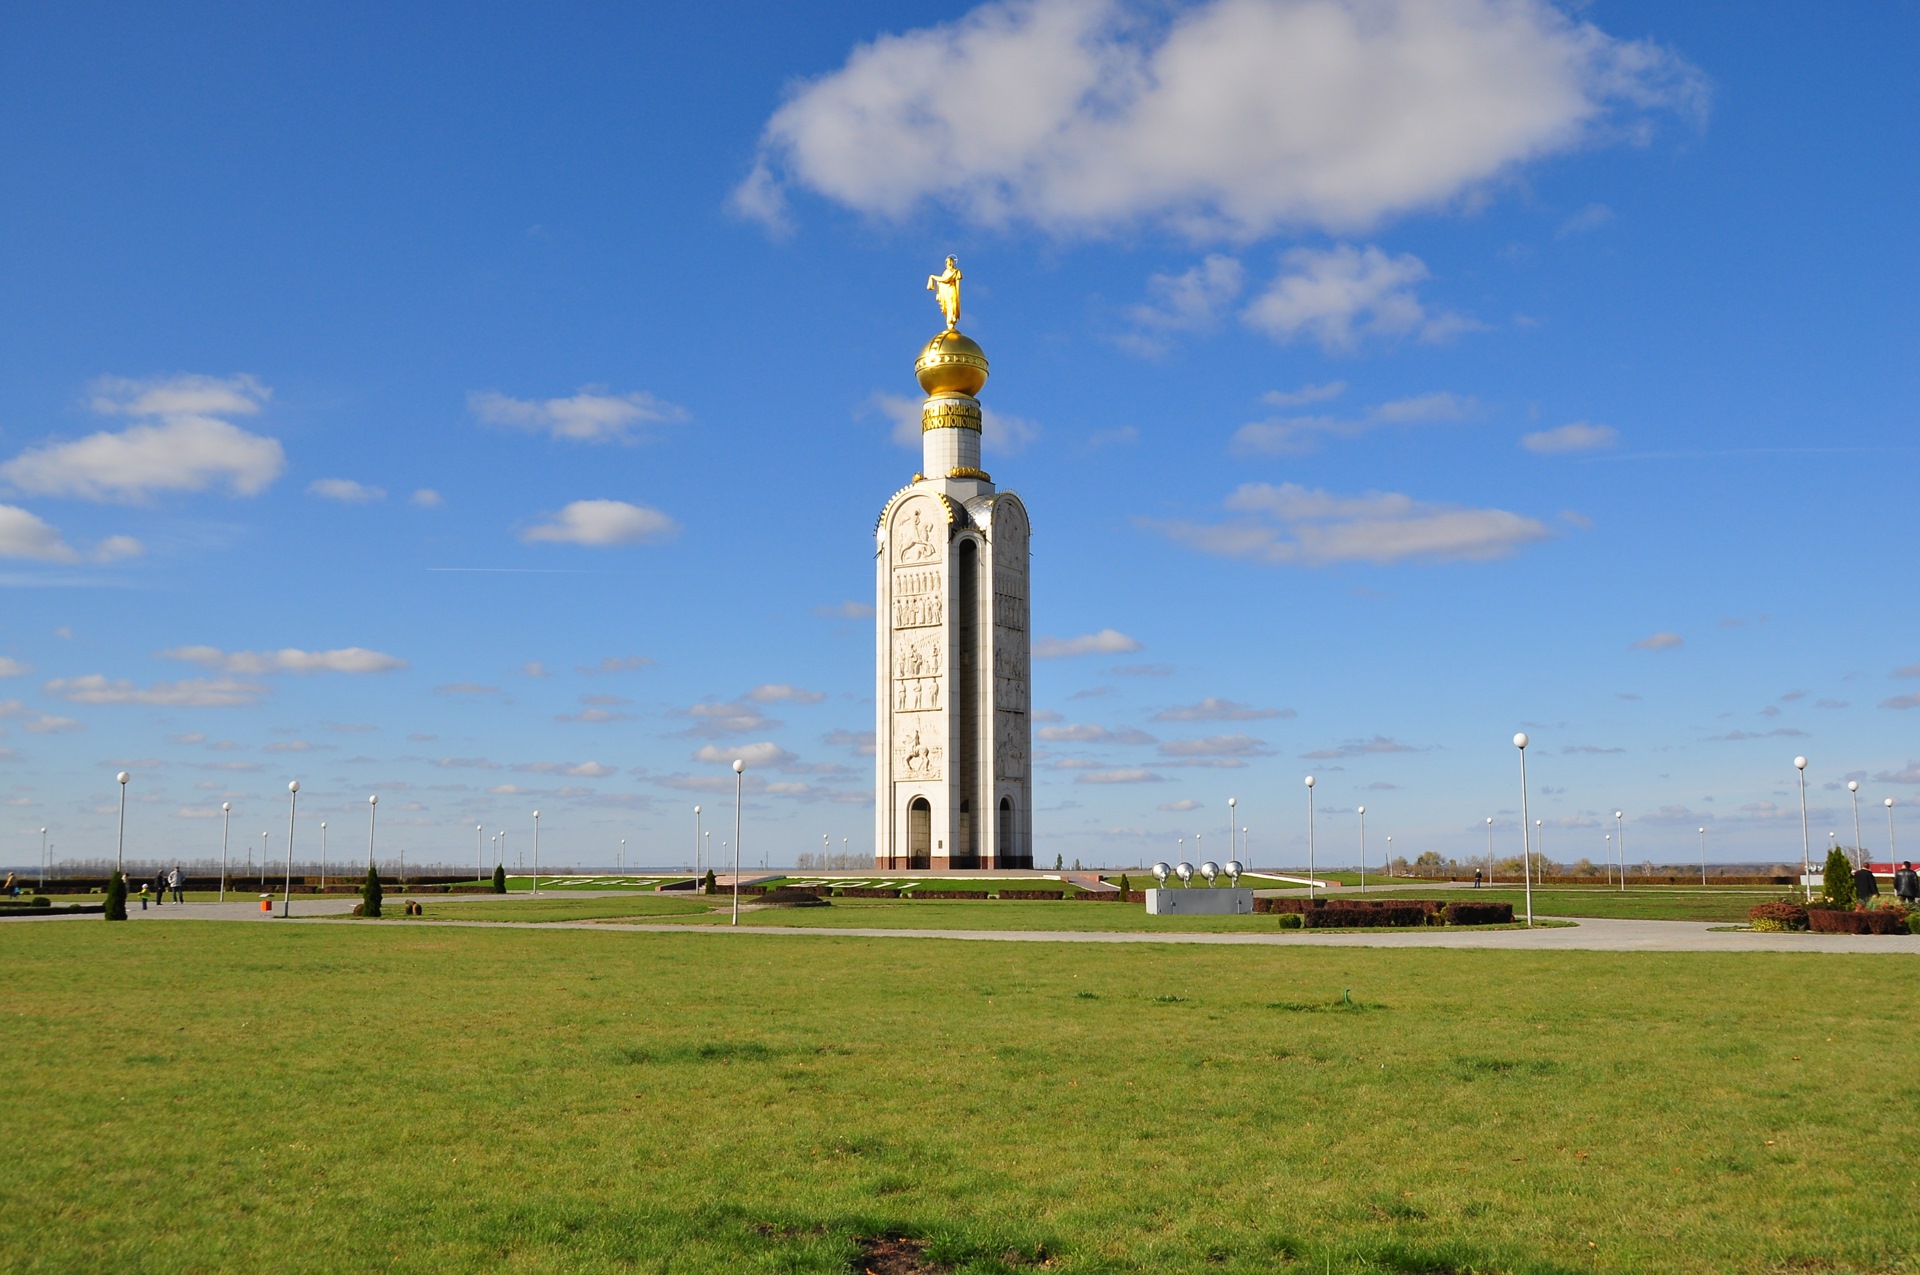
(1234, 870)
(1184, 871)
(1210, 870)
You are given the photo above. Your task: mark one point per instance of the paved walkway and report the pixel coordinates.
(1588, 935)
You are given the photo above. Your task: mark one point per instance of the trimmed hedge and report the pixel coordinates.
(1101, 895)
(1345, 916)
(1776, 918)
(1835, 921)
(868, 892)
(937, 895)
(1479, 913)
(1033, 894)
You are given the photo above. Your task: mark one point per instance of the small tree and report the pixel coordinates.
(707, 884)
(1126, 888)
(116, 909)
(1836, 885)
(370, 893)
(1058, 860)
(499, 878)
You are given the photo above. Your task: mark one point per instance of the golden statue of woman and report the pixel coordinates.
(945, 287)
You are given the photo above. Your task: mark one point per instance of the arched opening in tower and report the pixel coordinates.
(919, 834)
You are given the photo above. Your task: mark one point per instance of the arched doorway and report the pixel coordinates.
(1006, 855)
(919, 833)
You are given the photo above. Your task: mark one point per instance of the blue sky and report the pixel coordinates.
(488, 408)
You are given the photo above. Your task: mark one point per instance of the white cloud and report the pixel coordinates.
(1089, 733)
(1298, 435)
(24, 535)
(1236, 117)
(860, 741)
(1176, 807)
(1191, 301)
(345, 490)
(13, 668)
(1291, 525)
(1105, 642)
(759, 756)
(615, 664)
(427, 498)
(1131, 776)
(48, 724)
(180, 444)
(603, 522)
(1215, 746)
(591, 416)
(216, 692)
(781, 692)
(1592, 217)
(1362, 748)
(848, 610)
(1215, 709)
(729, 718)
(349, 659)
(1339, 295)
(579, 770)
(1662, 641)
(1304, 395)
(1576, 437)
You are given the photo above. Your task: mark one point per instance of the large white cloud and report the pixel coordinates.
(26, 535)
(220, 692)
(179, 444)
(603, 522)
(1335, 296)
(1296, 526)
(1232, 117)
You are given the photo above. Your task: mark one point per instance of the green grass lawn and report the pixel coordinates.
(640, 907)
(206, 1096)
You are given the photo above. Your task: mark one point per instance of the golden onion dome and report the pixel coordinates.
(952, 363)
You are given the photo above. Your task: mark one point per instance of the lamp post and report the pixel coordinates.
(826, 850)
(1526, 853)
(1609, 858)
(479, 852)
(293, 805)
(373, 813)
(1489, 849)
(696, 846)
(1310, 859)
(1540, 842)
(739, 771)
(1389, 856)
(1246, 860)
(323, 856)
(263, 858)
(708, 838)
(1620, 844)
(43, 859)
(1363, 847)
(1231, 820)
(120, 853)
(536, 853)
(1703, 856)
(1893, 860)
(1853, 791)
(621, 867)
(1806, 841)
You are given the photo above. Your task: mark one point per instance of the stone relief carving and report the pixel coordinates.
(1010, 746)
(915, 756)
(916, 599)
(918, 536)
(1009, 609)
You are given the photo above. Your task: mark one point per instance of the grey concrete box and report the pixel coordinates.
(1200, 901)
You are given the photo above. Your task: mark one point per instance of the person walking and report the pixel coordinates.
(159, 886)
(177, 882)
(1476, 878)
(1906, 884)
(1864, 886)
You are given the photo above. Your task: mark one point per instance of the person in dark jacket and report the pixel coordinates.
(1906, 884)
(159, 887)
(1864, 886)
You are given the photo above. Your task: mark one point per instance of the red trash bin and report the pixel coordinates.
(266, 903)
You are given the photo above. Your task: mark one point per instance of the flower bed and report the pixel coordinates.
(1777, 918)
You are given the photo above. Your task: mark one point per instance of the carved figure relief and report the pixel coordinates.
(917, 758)
(917, 537)
(1010, 746)
(916, 599)
(1009, 609)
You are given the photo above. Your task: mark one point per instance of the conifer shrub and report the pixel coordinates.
(1836, 885)
(708, 885)
(370, 893)
(499, 878)
(116, 909)
(1126, 887)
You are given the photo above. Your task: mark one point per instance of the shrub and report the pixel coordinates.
(42, 901)
(1834, 921)
(938, 895)
(707, 884)
(116, 909)
(370, 893)
(1836, 885)
(499, 878)
(1033, 894)
(1380, 914)
(1913, 922)
(1777, 917)
(1126, 886)
(869, 892)
(1289, 920)
(1479, 914)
